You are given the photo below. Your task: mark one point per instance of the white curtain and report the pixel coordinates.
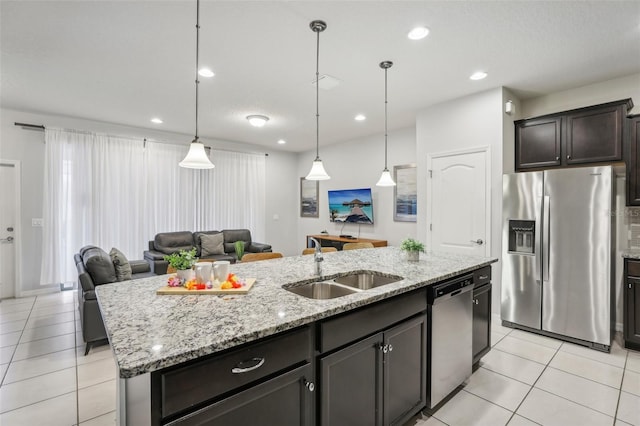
(237, 189)
(119, 192)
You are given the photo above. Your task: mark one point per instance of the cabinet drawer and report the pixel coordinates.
(481, 276)
(357, 324)
(633, 268)
(283, 400)
(187, 386)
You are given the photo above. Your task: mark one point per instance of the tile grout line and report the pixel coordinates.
(624, 370)
(532, 387)
(16, 346)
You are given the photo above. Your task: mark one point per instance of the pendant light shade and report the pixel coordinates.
(385, 178)
(317, 169)
(197, 157)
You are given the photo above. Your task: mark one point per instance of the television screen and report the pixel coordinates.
(351, 206)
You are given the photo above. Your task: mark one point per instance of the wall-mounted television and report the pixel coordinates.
(351, 206)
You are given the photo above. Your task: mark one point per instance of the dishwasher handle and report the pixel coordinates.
(457, 293)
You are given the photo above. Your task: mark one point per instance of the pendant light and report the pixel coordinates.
(197, 157)
(317, 169)
(385, 178)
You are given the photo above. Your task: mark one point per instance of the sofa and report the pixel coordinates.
(96, 267)
(209, 245)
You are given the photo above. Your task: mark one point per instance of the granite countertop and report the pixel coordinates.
(631, 254)
(148, 332)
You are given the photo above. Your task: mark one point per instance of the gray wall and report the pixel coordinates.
(358, 164)
(27, 146)
(469, 122)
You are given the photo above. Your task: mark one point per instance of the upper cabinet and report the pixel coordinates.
(538, 143)
(633, 164)
(586, 135)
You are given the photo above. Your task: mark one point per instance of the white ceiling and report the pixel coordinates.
(128, 61)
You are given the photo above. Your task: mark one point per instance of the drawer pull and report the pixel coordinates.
(256, 363)
(483, 277)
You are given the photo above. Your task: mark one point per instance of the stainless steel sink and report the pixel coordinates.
(341, 286)
(366, 280)
(321, 290)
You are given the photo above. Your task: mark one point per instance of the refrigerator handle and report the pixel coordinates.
(538, 241)
(545, 238)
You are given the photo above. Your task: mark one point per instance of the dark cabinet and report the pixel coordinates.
(633, 164)
(284, 400)
(481, 321)
(538, 143)
(275, 372)
(586, 135)
(380, 380)
(632, 304)
(595, 134)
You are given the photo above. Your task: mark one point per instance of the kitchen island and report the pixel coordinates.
(159, 341)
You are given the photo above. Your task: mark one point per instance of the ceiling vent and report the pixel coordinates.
(327, 82)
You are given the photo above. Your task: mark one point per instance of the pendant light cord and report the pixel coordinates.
(197, 62)
(317, 96)
(385, 118)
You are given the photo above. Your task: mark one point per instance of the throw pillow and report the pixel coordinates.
(120, 262)
(99, 265)
(212, 244)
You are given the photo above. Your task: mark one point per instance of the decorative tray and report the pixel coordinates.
(215, 290)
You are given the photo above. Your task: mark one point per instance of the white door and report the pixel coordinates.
(459, 202)
(9, 176)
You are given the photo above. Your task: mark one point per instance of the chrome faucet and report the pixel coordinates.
(317, 257)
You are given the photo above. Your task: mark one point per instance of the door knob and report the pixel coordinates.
(478, 241)
(6, 240)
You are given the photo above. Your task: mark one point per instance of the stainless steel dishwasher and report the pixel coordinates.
(450, 337)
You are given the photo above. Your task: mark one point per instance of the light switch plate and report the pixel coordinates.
(37, 222)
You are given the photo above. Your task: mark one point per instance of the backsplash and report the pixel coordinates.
(632, 220)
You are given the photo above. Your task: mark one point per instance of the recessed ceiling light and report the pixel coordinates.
(418, 33)
(156, 120)
(257, 120)
(281, 141)
(206, 72)
(478, 75)
(359, 117)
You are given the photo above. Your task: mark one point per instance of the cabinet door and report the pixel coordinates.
(594, 135)
(633, 182)
(481, 321)
(285, 400)
(632, 313)
(538, 143)
(405, 370)
(351, 383)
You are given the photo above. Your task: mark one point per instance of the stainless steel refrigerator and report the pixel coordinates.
(557, 245)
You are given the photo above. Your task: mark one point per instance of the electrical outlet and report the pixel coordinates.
(37, 222)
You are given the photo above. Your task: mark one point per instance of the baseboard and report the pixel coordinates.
(40, 292)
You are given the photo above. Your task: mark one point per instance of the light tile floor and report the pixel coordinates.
(529, 379)
(526, 379)
(45, 377)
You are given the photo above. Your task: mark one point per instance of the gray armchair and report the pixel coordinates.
(95, 268)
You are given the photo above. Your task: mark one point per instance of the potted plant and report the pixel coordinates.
(239, 249)
(413, 249)
(182, 262)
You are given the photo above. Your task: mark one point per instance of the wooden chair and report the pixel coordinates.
(252, 257)
(355, 246)
(324, 250)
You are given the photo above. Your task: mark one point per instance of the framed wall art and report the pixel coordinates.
(405, 193)
(309, 197)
